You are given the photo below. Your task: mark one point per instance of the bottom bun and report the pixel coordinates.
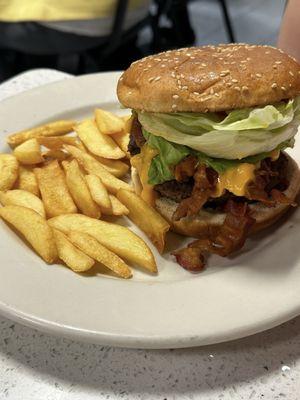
(200, 224)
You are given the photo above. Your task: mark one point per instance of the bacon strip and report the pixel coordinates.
(205, 180)
(185, 169)
(230, 237)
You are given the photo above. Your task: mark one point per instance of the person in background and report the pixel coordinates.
(38, 33)
(289, 35)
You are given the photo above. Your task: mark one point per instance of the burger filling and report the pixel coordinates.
(216, 161)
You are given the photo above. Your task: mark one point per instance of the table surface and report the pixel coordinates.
(37, 366)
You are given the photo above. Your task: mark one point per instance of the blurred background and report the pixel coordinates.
(79, 36)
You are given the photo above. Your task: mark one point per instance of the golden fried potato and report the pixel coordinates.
(92, 166)
(122, 139)
(145, 217)
(90, 246)
(56, 142)
(54, 191)
(34, 228)
(96, 142)
(55, 155)
(71, 255)
(117, 208)
(55, 128)
(116, 238)
(99, 193)
(8, 171)
(107, 122)
(116, 167)
(29, 152)
(22, 198)
(27, 181)
(79, 190)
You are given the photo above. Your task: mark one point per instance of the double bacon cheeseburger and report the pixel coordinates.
(209, 129)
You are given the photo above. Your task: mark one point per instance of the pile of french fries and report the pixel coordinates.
(59, 183)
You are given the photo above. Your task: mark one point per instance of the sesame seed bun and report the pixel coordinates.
(200, 225)
(210, 79)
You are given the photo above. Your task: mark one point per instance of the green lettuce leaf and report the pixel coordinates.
(170, 154)
(242, 133)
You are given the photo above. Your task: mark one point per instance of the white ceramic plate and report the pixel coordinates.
(250, 292)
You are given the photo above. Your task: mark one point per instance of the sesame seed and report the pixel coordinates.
(275, 66)
(174, 106)
(228, 84)
(234, 80)
(258, 75)
(211, 91)
(184, 87)
(243, 61)
(163, 65)
(181, 76)
(267, 52)
(237, 88)
(217, 95)
(145, 69)
(157, 79)
(248, 58)
(278, 62)
(291, 73)
(173, 74)
(283, 88)
(151, 79)
(196, 93)
(204, 65)
(188, 54)
(157, 59)
(129, 92)
(274, 85)
(192, 58)
(245, 89)
(175, 96)
(232, 62)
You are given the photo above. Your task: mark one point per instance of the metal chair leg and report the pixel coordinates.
(227, 21)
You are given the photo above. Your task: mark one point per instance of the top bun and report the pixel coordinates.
(210, 79)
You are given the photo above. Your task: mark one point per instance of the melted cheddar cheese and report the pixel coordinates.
(235, 180)
(142, 162)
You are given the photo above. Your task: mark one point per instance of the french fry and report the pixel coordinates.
(34, 228)
(55, 128)
(27, 181)
(99, 193)
(145, 217)
(56, 142)
(79, 190)
(54, 191)
(90, 246)
(116, 238)
(116, 167)
(122, 139)
(55, 155)
(92, 166)
(71, 255)
(22, 198)
(117, 208)
(8, 171)
(96, 142)
(29, 152)
(107, 122)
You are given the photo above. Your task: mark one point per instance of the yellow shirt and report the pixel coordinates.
(60, 10)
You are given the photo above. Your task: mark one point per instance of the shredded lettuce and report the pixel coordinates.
(170, 154)
(242, 133)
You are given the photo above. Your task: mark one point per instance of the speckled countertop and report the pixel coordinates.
(35, 366)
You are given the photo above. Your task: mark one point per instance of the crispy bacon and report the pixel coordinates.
(190, 259)
(185, 169)
(136, 139)
(281, 198)
(228, 238)
(204, 183)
